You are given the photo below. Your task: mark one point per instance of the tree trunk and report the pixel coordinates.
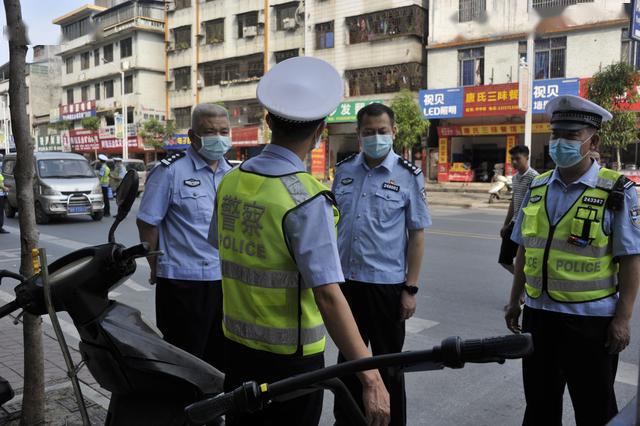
(33, 394)
(618, 161)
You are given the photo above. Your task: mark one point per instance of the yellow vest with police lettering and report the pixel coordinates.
(266, 306)
(571, 261)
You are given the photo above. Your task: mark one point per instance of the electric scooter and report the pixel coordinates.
(151, 382)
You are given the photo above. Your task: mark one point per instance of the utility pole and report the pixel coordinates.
(531, 65)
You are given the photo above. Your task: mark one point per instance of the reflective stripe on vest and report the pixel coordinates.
(571, 261)
(266, 306)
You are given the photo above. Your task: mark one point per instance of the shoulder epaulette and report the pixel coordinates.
(410, 166)
(346, 160)
(166, 162)
(541, 180)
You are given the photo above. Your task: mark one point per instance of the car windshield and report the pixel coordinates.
(134, 165)
(64, 168)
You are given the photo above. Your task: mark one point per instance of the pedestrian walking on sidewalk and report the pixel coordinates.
(578, 267)
(384, 211)
(174, 216)
(521, 181)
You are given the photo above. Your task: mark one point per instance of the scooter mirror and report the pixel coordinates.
(127, 192)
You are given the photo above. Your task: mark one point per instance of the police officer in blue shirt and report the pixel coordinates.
(578, 317)
(174, 217)
(384, 211)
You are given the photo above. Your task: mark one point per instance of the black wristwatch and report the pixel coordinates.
(411, 289)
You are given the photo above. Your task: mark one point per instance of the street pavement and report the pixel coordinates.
(462, 293)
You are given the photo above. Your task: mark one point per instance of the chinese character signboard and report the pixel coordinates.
(244, 136)
(78, 110)
(81, 140)
(496, 99)
(441, 103)
(508, 167)
(347, 111)
(50, 143)
(545, 90)
(443, 159)
(490, 129)
(319, 160)
(179, 141)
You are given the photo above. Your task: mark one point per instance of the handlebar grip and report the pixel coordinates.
(496, 348)
(241, 400)
(135, 251)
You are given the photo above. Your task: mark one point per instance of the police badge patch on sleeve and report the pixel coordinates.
(634, 215)
(423, 192)
(192, 182)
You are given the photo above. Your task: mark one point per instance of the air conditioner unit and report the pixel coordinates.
(200, 83)
(251, 31)
(289, 24)
(261, 17)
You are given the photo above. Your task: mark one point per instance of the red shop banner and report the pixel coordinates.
(81, 140)
(627, 106)
(112, 144)
(244, 136)
(491, 100)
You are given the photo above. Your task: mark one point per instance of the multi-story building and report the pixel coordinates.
(377, 46)
(474, 54)
(43, 90)
(113, 55)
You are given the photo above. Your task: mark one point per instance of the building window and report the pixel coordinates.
(108, 89)
(286, 16)
(551, 55)
(77, 29)
(126, 48)
(69, 96)
(235, 70)
(468, 10)
(182, 117)
(214, 31)
(182, 77)
(96, 57)
(283, 55)
(85, 61)
(471, 66)
(385, 79)
(403, 21)
(96, 88)
(69, 64)
(541, 4)
(248, 25)
(244, 113)
(84, 93)
(324, 35)
(182, 4)
(182, 37)
(630, 53)
(128, 84)
(108, 53)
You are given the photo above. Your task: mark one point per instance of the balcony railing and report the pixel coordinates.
(142, 15)
(403, 21)
(385, 79)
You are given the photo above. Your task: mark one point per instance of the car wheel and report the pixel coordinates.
(97, 216)
(41, 217)
(9, 211)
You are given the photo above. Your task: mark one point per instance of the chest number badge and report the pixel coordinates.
(391, 186)
(346, 181)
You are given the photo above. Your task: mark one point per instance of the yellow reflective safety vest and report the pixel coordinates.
(266, 306)
(104, 179)
(572, 261)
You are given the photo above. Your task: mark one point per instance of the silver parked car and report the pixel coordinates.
(64, 185)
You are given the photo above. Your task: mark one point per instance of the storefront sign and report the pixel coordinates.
(347, 112)
(441, 103)
(460, 172)
(545, 90)
(50, 143)
(78, 110)
(245, 136)
(511, 142)
(319, 161)
(113, 143)
(491, 100)
(625, 105)
(634, 32)
(490, 130)
(81, 140)
(179, 141)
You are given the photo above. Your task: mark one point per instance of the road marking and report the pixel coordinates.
(462, 234)
(627, 373)
(135, 286)
(416, 325)
(10, 255)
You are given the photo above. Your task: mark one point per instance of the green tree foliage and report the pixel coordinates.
(411, 125)
(154, 132)
(613, 88)
(90, 123)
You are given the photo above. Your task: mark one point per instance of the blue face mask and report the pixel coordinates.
(566, 152)
(377, 146)
(214, 147)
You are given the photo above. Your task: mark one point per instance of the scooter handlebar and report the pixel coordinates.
(139, 250)
(244, 399)
(491, 349)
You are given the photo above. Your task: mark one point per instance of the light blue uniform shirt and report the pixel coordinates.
(179, 200)
(309, 229)
(623, 226)
(377, 208)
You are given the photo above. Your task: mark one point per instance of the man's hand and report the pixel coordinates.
(377, 407)
(152, 275)
(407, 305)
(511, 316)
(504, 232)
(618, 335)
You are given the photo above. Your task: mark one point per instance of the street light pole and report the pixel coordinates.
(125, 138)
(3, 103)
(531, 64)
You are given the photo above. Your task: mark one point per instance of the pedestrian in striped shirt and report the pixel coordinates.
(521, 181)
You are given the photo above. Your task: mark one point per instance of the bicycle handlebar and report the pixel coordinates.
(453, 353)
